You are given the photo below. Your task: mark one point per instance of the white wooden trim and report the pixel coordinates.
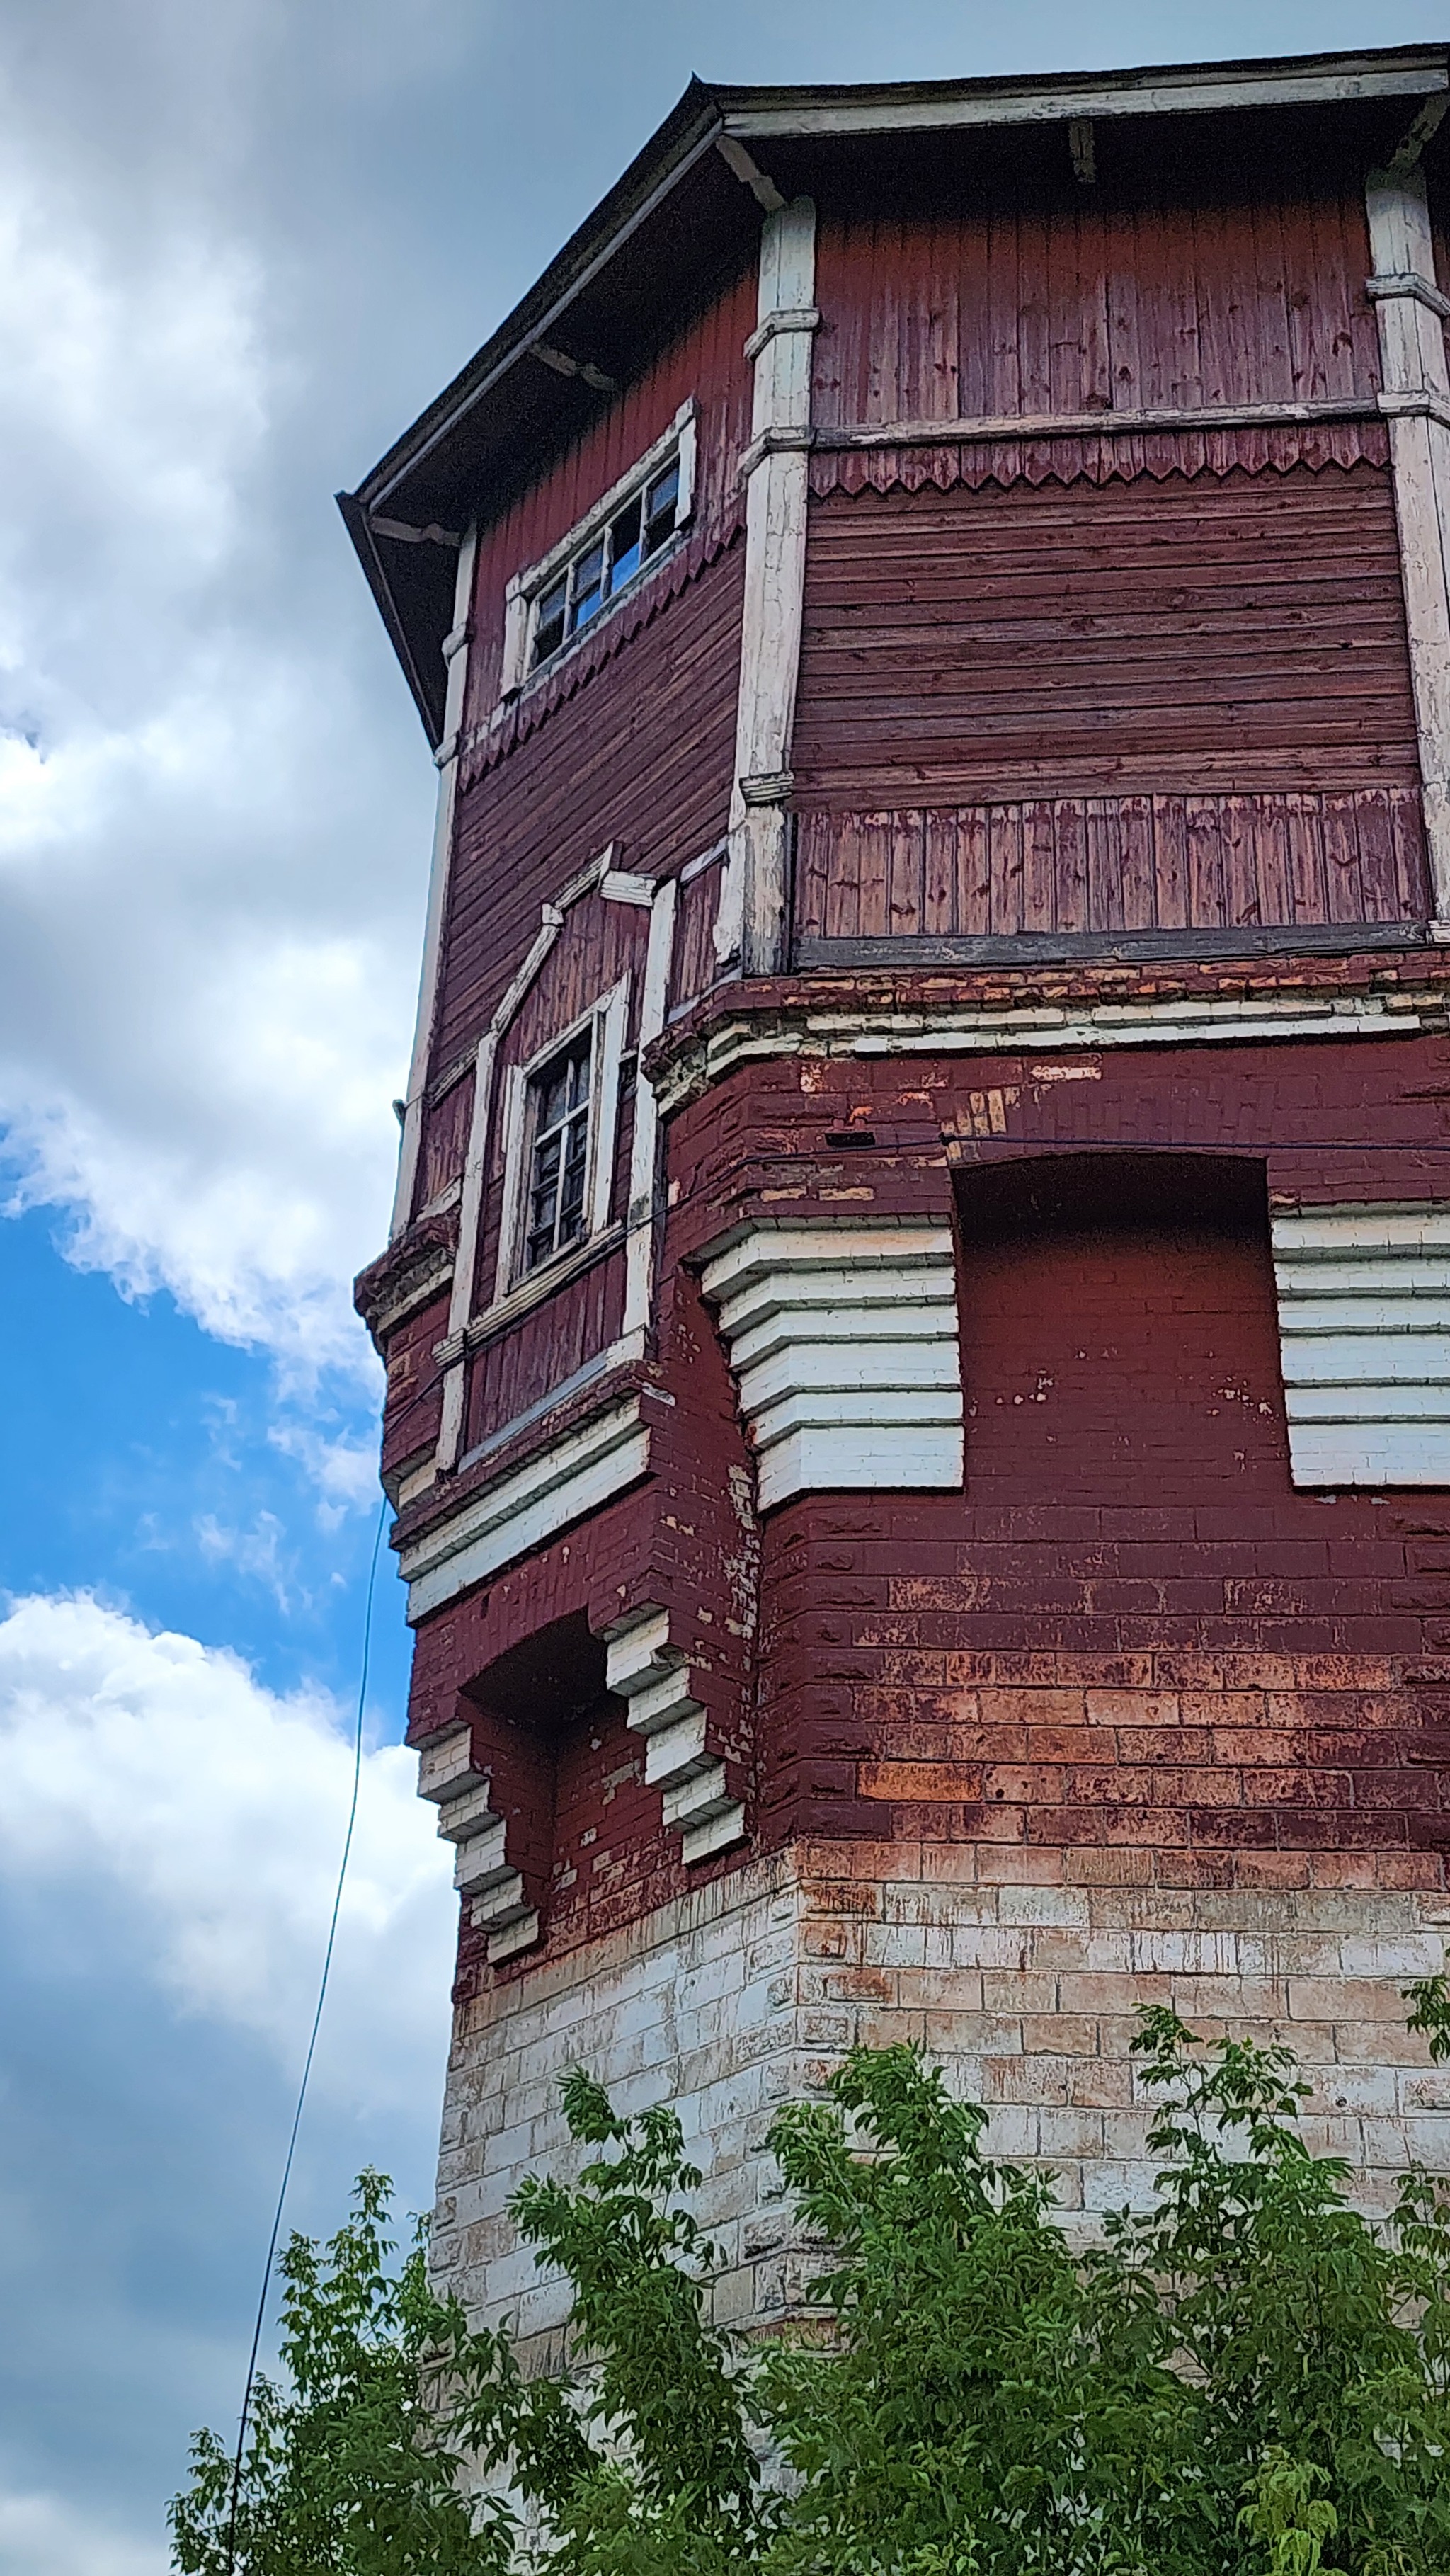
(752, 917)
(527, 1506)
(845, 1342)
(515, 1101)
(439, 867)
(1364, 1335)
(1193, 91)
(1412, 361)
(611, 1021)
(450, 1418)
(644, 1145)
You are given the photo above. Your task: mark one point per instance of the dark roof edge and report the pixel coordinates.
(355, 520)
(689, 129)
(706, 111)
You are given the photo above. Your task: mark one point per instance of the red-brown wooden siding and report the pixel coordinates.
(641, 756)
(539, 1353)
(1147, 301)
(707, 362)
(445, 1139)
(1183, 637)
(695, 965)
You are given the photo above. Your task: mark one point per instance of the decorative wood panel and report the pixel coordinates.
(1243, 636)
(695, 965)
(1103, 864)
(1103, 455)
(545, 1348)
(445, 1139)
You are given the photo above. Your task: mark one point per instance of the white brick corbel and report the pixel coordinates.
(653, 1678)
(482, 1872)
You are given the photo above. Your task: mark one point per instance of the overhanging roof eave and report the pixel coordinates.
(1412, 71)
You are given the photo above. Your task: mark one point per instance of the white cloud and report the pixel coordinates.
(211, 853)
(215, 1809)
(40, 2535)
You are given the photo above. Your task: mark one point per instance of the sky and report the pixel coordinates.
(240, 247)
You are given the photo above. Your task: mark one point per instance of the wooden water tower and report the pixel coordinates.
(918, 1313)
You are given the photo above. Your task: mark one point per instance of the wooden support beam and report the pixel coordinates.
(752, 920)
(1408, 309)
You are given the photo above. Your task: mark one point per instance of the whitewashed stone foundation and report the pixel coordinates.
(744, 1994)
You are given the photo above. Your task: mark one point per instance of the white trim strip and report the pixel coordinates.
(1163, 93)
(526, 1507)
(439, 867)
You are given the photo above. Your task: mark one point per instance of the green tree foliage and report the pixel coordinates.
(1247, 2378)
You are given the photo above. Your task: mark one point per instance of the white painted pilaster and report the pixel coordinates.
(753, 907)
(654, 1001)
(1416, 397)
(455, 653)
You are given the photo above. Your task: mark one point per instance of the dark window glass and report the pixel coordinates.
(549, 623)
(560, 1105)
(588, 586)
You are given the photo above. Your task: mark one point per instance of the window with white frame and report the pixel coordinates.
(560, 1122)
(561, 1107)
(628, 530)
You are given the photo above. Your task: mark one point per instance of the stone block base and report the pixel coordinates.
(745, 1993)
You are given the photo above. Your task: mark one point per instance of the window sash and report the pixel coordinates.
(558, 1177)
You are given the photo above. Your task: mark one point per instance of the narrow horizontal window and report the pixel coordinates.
(607, 562)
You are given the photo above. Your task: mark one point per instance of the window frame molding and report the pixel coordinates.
(525, 589)
(607, 1019)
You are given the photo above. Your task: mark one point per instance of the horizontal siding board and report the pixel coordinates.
(995, 645)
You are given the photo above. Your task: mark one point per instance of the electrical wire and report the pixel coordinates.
(357, 1749)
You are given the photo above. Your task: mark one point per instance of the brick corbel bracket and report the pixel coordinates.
(482, 1871)
(653, 1678)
